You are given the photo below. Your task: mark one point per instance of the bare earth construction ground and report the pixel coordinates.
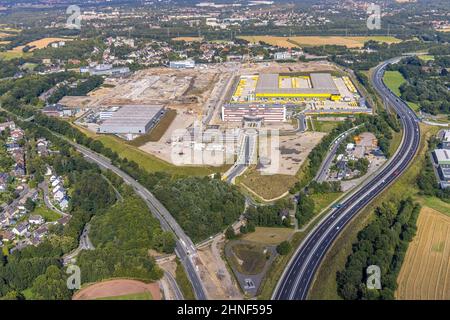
(115, 288)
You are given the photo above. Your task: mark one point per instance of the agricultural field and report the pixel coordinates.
(425, 273)
(292, 42)
(39, 44)
(188, 39)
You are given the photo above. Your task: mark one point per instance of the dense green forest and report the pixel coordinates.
(202, 206)
(270, 215)
(427, 83)
(383, 242)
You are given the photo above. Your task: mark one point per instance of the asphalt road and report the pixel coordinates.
(185, 248)
(323, 170)
(297, 278)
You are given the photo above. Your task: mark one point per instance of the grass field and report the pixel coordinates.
(133, 296)
(291, 42)
(157, 132)
(321, 201)
(425, 273)
(269, 236)
(436, 204)
(324, 286)
(8, 55)
(324, 126)
(147, 161)
(425, 57)
(183, 282)
(46, 213)
(266, 186)
(248, 258)
(394, 80)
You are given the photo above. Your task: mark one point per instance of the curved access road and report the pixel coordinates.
(185, 248)
(297, 278)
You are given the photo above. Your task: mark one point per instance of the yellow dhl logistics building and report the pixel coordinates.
(322, 87)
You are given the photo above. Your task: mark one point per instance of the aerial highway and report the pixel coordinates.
(185, 248)
(298, 276)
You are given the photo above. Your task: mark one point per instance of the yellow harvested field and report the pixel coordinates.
(274, 41)
(39, 44)
(188, 39)
(291, 42)
(425, 273)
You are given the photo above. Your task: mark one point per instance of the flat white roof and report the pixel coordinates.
(135, 115)
(442, 155)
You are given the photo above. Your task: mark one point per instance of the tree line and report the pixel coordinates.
(383, 242)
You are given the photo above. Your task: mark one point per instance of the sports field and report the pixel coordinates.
(425, 273)
(291, 42)
(121, 289)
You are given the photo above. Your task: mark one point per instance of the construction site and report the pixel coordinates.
(212, 106)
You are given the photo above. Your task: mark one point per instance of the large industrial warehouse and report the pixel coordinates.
(132, 119)
(316, 86)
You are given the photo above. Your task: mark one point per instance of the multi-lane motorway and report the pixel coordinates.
(297, 278)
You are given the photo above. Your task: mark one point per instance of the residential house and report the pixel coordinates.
(17, 134)
(58, 196)
(7, 236)
(3, 181)
(64, 204)
(10, 124)
(36, 219)
(64, 220)
(56, 182)
(41, 232)
(57, 188)
(4, 220)
(41, 146)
